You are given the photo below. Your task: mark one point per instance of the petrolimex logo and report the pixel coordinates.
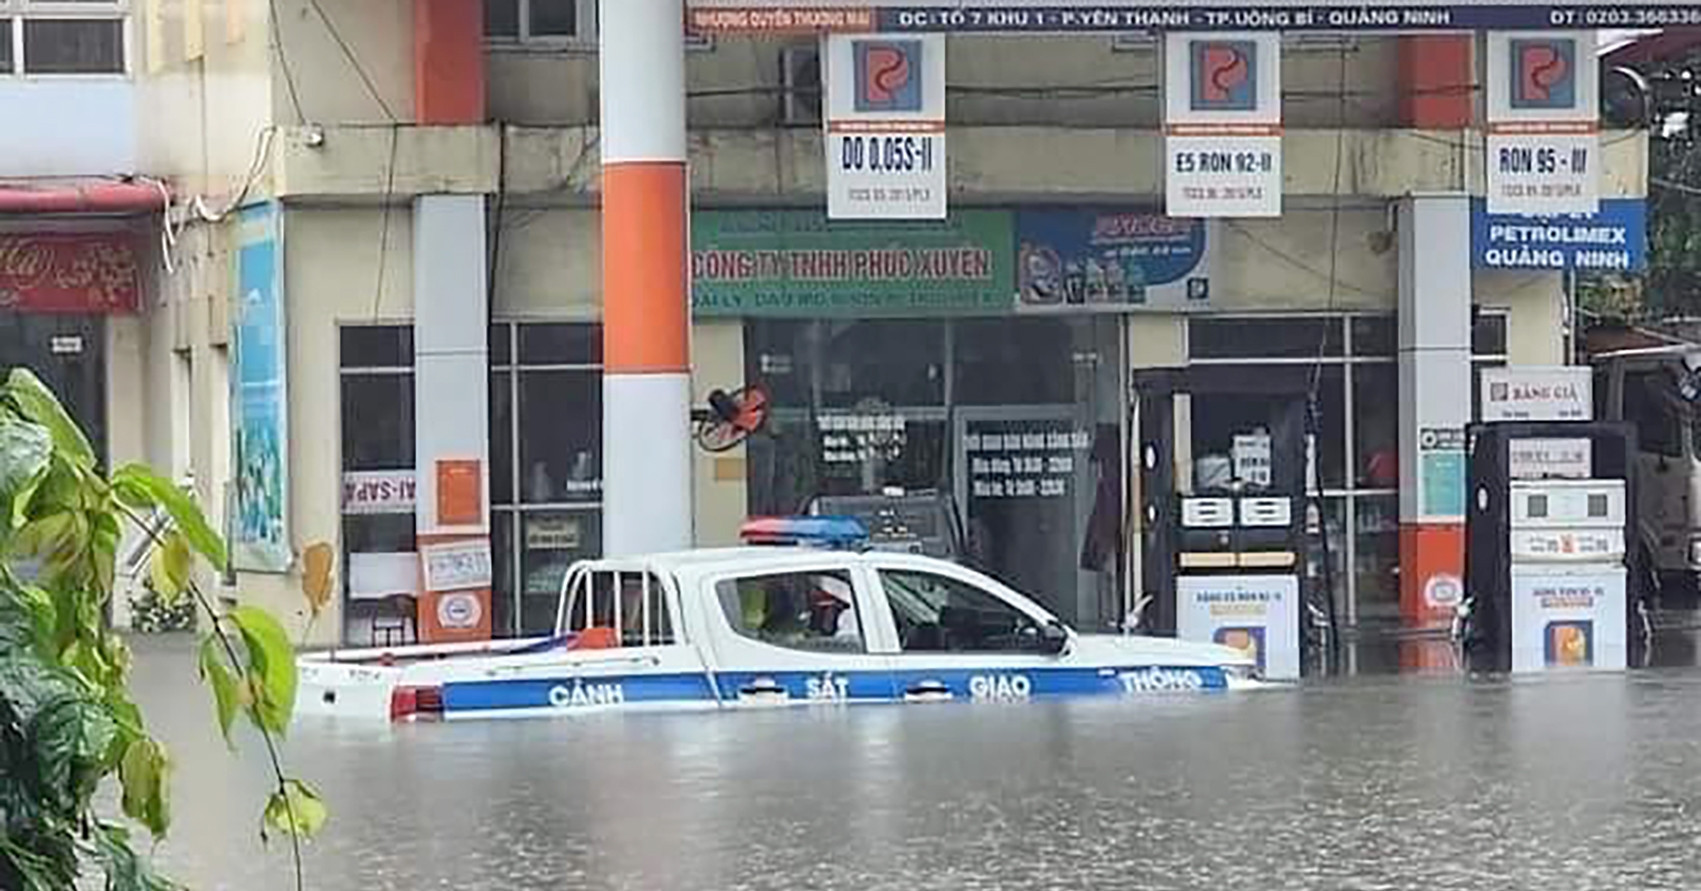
(1544, 74)
(1224, 75)
(888, 75)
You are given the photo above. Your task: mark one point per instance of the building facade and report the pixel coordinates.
(386, 231)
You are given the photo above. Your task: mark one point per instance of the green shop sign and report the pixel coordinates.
(796, 263)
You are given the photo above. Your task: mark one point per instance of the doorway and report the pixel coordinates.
(1027, 486)
(68, 352)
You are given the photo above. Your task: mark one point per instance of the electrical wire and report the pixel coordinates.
(353, 60)
(1313, 425)
(384, 225)
(283, 63)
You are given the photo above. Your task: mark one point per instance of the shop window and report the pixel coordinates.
(380, 569)
(6, 64)
(378, 428)
(1264, 338)
(550, 542)
(502, 437)
(869, 364)
(811, 611)
(779, 354)
(1646, 406)
(1376, 426)
(934, 613)
(73, 46)
(545, 464)
(560, 436)
(1376, 556)
(1015, 362)
(564, 344)
(376, 346)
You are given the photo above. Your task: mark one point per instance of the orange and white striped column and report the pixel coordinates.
(646, 388)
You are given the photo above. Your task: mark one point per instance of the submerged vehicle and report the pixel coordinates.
(763, 626)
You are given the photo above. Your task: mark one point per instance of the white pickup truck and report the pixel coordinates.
(765, 626)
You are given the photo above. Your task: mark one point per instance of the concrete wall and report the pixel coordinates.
(203, 120)
(737, 82)
(331, 83)
(72, 126)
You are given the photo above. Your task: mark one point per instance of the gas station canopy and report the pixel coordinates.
(1124, 16)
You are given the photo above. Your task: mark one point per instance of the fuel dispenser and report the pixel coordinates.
(1546, 562)
(1237, 576)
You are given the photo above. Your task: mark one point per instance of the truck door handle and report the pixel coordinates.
(925, 688)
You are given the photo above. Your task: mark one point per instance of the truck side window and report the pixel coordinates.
(938, 614)
(813, 611)
(1648, 405)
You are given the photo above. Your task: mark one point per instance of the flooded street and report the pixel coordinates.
(1365, 783)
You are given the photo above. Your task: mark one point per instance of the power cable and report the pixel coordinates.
(283, 63)
(384, 226)
(353, 60)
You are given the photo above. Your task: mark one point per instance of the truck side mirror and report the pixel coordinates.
(1054, 638)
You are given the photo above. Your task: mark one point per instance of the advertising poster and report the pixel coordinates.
(1568, 620)
(1111, 259)
(798, 263)
(1543, 150)
(885, 127)
(1255, 613)
(260, 398)
(1223, 125)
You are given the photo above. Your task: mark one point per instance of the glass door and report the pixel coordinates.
(1026, 479)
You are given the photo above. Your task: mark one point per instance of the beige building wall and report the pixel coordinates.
(1108, 81)
(1535, 329)
(722, 499)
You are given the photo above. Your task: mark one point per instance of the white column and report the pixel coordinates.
(452, 403)
(646, 309)
(1435, 401)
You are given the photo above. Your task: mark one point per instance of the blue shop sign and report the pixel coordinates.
(1613, 240)
(1110, 258)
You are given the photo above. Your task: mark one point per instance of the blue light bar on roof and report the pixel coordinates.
(826, 532)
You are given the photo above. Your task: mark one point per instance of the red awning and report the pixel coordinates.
(80, 197)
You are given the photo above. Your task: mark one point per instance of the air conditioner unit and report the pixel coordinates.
(800, 82)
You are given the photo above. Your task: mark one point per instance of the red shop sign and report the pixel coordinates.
(82, 273)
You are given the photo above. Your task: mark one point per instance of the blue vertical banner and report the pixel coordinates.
(259, 534)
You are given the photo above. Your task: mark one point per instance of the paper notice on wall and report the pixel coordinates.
(1250, 455)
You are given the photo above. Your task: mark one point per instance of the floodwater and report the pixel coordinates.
(1436, 782)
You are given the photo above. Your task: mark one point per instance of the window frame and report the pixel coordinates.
(862, 603)
(16, 12)
(1017, 602)
(581, 42)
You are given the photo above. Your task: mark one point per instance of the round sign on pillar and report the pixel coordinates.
(1443, 591)
(459, 611)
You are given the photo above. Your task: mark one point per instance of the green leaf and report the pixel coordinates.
(145, 774)
(24, 452)
(295, 810)
(125, 869)
(70, 739)
(271, 667)
(38, 403)
(136, 483)
(169, 568)
(227, 691)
